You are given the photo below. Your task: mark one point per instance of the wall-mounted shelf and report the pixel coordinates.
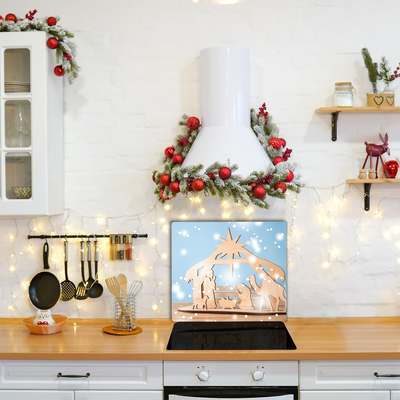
(335, 111)
(367, 187)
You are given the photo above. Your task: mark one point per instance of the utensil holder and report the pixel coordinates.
(125, 316)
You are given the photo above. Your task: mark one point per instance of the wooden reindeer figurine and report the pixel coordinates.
(376, 150)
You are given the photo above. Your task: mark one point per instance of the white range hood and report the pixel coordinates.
(226, 135)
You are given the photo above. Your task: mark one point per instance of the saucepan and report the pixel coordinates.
(45, 288)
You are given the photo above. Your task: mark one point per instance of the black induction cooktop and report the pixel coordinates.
(253, 335)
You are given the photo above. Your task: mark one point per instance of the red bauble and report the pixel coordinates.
(154, 179)
(275, 143)
(165, 179)
(259, 192)
(277, 160)
(11, 17)
(253, 185)
(51, 21)
(169, 151)
(193, 123)
(198, 185)
(174, 187)
(283, 142)
(177, 159)
(281, 185)
(58, 70)
(225, 173)
(161, 195)
(52, 43)
(67, 56)
(289, 177)
(1, 18)
(391, 168)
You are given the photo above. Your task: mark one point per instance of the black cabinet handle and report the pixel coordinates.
(60, 375)
(386, 376)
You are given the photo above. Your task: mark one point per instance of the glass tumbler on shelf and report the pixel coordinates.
(343, 95)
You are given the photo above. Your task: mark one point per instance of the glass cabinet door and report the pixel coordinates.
(17, 123)
(18, 176)
(17, 67)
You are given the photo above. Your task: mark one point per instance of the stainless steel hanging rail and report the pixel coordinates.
(134, 236)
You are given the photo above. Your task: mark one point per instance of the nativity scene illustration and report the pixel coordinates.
(255, 287)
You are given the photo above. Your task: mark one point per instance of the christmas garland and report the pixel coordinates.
(65, 48)
(218, 178)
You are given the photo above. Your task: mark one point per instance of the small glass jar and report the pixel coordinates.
(120, 247)
(113, 247)
(343, 95)
(128, 247)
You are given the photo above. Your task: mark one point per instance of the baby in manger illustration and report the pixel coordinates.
(247, 296)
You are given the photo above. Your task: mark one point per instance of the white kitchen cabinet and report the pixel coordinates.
(118, 395)
(345, 380)
(31, 127)
(35, 395)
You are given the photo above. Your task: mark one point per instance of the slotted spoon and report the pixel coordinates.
(68, 288)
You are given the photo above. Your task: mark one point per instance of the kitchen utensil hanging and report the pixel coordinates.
(68, 288)
(96, 289)
(44, 288)
(81, 290)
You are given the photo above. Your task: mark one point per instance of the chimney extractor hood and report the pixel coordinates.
(226, 135)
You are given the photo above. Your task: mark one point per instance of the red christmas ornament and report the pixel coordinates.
(51, 21)
(177, 159)
(259, 192)
(161, 195)
(169, 151)
(277, 160)
(193, 123)
(283, 142)
(225, 173)
(289, 177)
(198, 185)
(281, 185)
(391, 168)
(253, 185)
(275, 143)
(11, 17)
(52, 43)
(1, 18)
(67, 56)
(174, 187)
(58, 70)
(165, 179)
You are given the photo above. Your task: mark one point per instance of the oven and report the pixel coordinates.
(209, 380)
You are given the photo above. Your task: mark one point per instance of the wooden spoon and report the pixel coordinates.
(123, 284)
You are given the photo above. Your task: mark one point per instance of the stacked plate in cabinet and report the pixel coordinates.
(16, 87)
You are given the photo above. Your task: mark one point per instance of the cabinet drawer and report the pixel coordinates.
(349, 375)
(345, 395)
(118, 395)
(122, 375)
(35, 395)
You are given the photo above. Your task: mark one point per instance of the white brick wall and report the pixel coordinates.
(139, 74)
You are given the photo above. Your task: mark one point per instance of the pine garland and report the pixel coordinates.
(237, 187)
(65, 47)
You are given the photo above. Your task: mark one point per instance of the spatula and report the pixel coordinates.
(115, 290)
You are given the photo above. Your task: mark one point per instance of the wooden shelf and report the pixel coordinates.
(367, 187)
(335, 111)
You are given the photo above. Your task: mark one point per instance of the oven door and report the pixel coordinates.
(228, 393)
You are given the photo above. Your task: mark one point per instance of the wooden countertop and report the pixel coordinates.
(315, 338)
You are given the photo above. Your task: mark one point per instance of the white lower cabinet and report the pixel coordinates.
(35, 395)
(117, 395)
(349, 380)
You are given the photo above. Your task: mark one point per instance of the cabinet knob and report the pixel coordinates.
(257, 375)
(204, 375)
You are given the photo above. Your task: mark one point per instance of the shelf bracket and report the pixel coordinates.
(335, 117)
(367, 190)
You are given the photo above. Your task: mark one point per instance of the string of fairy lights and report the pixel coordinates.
(155, 221)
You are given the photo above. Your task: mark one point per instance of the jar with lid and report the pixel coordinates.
(113, 247)
(343, 95)
(128, 247)
(120, 247)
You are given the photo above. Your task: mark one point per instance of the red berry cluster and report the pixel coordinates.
(189, 184)
(183, 142)
(265, 180)
(211, 176)
(286, 154)
(396, 73)
(262, 112)
(30, 15)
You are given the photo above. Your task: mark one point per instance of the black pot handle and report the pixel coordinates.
(46, 255)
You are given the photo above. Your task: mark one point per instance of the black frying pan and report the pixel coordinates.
(45, 288)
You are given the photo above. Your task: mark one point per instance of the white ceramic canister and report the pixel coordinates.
(343, 95)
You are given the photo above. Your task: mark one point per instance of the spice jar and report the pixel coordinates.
(343, 95)
(128, 247)
(120, 247)
(113, 247)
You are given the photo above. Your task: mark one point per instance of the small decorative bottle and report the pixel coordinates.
(120, 247)
(128, 247)
(113, 247)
